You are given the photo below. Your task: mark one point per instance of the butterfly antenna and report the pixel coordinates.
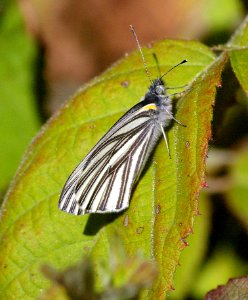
(140, 50)
(182, 62)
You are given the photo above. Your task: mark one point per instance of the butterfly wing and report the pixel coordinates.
(103, 181)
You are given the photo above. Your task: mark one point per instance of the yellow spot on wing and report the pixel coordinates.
(150, 106)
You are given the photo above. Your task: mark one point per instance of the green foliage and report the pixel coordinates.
(239, 59)
(18, 120)
(221, 14)
(123, 277)
(222, 265)
(165, 201)
(237, 194)
(192, 257)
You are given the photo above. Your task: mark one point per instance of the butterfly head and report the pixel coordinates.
(157, 88)
(157, 94)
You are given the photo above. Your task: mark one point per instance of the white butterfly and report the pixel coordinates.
(103, 180)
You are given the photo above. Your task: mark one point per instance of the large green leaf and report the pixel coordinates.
(164, 202)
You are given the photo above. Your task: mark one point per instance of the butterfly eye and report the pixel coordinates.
(159, 90)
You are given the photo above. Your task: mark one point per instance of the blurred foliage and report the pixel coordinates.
(18, 115)
(193, 256)
(238, 192)
(223, 14)
(222, 265)
(217, 248)
(123, 278)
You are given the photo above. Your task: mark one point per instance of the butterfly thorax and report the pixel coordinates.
(157, 95)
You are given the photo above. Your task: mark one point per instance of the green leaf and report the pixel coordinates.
(239, 57)
(18, 120)
(164, 202)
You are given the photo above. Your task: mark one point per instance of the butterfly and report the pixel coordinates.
(103, 180)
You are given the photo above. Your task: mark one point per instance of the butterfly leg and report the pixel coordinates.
(178, 95)
(165, 139)
(178, 87)
(178, 122)
(181, 94)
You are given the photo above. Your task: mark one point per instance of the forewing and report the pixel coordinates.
(103, 181)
